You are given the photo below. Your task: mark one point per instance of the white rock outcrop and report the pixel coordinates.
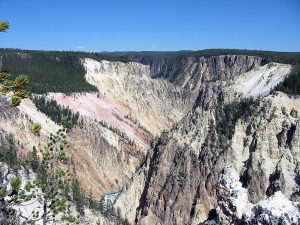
(261, 80)
(234, 205)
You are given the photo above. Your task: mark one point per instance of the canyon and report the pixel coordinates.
(190, 140)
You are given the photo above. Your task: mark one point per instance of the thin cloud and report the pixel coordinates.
(80, 47)
(154, 46)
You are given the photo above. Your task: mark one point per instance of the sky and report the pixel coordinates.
(152, 25)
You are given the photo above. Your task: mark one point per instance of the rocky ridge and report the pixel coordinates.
(177, 182)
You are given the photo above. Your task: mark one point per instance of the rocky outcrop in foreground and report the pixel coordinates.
(234, 206)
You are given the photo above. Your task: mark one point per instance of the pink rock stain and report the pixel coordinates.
(101, 109)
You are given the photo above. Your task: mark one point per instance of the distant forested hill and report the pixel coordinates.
(281, 57)
(51, 71)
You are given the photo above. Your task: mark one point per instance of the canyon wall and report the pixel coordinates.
(180, 180)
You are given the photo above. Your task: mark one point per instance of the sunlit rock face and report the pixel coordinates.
(154, 103)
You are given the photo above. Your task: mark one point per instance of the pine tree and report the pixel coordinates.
(78, 196)
(36, 128)
(12, 91)
(4, 25)
(34, 160)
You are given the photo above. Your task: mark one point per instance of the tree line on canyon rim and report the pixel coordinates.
(51, 71)
(54, 71)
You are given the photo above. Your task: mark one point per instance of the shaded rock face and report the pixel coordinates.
(190, 72)
(104, 160)
(1, 62)
(181, 187)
